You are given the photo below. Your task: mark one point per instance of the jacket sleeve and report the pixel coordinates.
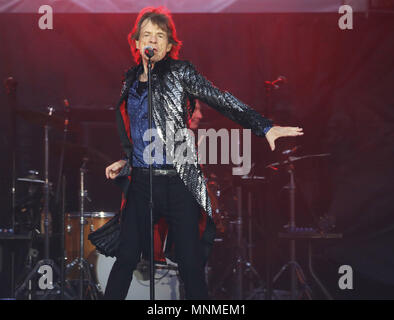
(200, 88)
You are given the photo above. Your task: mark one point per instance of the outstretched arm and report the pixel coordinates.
(228, 105)
(200, 88)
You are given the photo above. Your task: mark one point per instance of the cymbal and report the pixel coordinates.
(33, 179)
(42, 118)
(293, 158)
(30, 180)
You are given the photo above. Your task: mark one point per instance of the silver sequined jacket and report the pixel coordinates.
(175, 86)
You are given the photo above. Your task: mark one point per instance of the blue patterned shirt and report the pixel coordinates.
(137, 109)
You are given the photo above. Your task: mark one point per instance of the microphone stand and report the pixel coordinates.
(152, 257)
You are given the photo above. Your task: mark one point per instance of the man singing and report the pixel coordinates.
(179, 190)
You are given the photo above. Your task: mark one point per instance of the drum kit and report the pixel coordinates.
(83, 271)
(232, 274)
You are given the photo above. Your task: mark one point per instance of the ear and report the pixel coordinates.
(169, 47)
(137, 44)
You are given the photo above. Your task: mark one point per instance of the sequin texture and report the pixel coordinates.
(174, 83)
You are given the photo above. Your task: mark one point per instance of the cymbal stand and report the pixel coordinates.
(83, 265)
(63, 254)
(46, 261)
(295, 269)
(61, 160)
(240, 265)
(264, 288)
(11, 85)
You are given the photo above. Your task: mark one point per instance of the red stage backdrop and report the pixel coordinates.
(339, 90)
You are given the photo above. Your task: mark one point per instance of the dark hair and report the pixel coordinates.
(162, 18)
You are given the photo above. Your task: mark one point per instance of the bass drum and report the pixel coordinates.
(167, 284)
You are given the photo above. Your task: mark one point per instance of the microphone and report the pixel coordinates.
(148, 50)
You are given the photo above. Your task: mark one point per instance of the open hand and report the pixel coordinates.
(277, 132)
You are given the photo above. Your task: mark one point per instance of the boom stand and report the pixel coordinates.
(83, 264)
(295, 268)
(46, 262)
(240, 265)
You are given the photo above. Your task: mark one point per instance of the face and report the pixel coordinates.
(196, 117)
(152, 35)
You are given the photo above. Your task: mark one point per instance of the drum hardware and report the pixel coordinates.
(66, 123)
(58, 123)
(31, 180)
(296, 271)
(69, 227)
(30, 217)
(32, 177)
(54, 122)
(29, 206)
(309, 234)
(92, 221)
(63, 254)
(46, 120)
(43, 229)
(10, 85)
(291, 159)
(218, 195)
(84, 267)
(61, 186)
(241, 265)
(41, 118)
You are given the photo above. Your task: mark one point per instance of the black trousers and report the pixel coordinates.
(177, 205)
